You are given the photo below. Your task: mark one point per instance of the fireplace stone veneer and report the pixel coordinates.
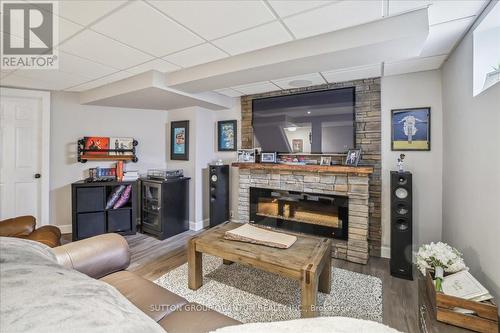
(352, 185)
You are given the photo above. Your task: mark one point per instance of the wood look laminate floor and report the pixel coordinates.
(152, 258)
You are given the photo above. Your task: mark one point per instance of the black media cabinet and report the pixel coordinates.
(90, 216)
(165, 207)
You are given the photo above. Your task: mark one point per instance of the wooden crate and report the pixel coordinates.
(485, 320)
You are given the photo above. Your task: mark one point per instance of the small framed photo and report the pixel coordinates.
(411, 129)
(353, 157)
(179, 140)
(268, 158)
(226, 135)
(246, 155)
(325, 160)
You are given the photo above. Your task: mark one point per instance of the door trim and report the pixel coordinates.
(44, 97)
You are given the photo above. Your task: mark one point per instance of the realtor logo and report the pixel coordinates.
(30, 35)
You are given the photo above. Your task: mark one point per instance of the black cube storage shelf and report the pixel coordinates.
(90, 216)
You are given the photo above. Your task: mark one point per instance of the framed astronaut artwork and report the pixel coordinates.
(411, 129)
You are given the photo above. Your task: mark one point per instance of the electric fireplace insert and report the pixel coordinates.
(312, 213)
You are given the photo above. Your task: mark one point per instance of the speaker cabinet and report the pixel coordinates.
(219, 194)
(401, 225)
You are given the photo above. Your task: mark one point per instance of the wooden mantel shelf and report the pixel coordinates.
(360, 170)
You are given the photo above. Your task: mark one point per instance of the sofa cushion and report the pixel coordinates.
(204, 320)
(155, 301)
(39, 295)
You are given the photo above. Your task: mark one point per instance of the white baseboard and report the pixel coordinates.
(65, 229)
(195, 226)
(385, 252)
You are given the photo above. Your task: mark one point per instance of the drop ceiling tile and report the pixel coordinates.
(196, 55)
(214, 19)
(93, 46)
(5, 72)
(85, 12)
(157, 64)
(353, 73)
(257, 38)
(444, 11)
(229, 92)
(153, 32)
(67, 29)
(443, 37)
(17, 80)
(69, 63)
(402, 6)
(48, 79)
(413, 65)
(286, 8)
(256, 88)
(334, 17)
(299, 81)
(100, 82)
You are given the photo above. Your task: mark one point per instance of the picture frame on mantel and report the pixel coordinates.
(411, 129)
(179, 140)
(227, 132)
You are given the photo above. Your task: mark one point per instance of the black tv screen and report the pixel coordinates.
(314, 122)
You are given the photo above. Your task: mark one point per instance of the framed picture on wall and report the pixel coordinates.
(226, 135)
(179, 140)
(411, 129)
(297, 145)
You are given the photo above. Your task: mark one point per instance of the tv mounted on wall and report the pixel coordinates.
(316, 122)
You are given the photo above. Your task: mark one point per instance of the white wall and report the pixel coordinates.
(71, 121)
(407, 91)
(471, 177)
(202, 152)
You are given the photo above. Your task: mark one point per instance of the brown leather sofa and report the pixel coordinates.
(24, 227)
(105, 257)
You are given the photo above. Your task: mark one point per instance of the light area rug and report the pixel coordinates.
(312, 325)
(251, 295)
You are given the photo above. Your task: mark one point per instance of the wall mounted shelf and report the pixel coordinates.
(85, 155)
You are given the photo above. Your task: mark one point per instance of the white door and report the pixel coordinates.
(21, 155)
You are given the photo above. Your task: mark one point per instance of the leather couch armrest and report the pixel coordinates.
(17, 226)
(49, 235)
(97, 256)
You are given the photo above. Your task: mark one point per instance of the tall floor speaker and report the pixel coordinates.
(401, 225)
(219, 194)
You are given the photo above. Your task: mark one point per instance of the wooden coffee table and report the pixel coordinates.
(308, 260)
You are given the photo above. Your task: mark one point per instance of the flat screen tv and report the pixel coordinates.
(314, 122)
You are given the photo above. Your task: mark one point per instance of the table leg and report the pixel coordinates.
(227, 262)
(309, 290)
(195, 267)
(325, 278)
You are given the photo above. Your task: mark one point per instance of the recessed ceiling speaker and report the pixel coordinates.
(219, 194)
(401, 225)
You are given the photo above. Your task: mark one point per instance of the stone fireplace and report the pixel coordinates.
(351, 183)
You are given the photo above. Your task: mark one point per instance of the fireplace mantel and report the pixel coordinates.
(360, 170)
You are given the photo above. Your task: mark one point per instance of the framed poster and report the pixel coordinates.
(179, 140)
(297, 145)
(226, 135)
(411, 129)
